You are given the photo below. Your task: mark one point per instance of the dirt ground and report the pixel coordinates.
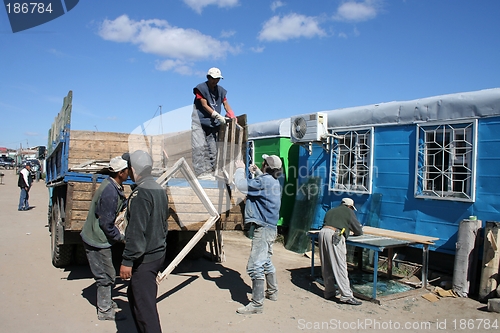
(200, 295)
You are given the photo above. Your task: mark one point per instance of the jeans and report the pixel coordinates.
(259, 263)
(101, 265)
(23, 199)
(204, 146)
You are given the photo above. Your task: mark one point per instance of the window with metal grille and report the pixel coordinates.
(351, 161)
(445, 161)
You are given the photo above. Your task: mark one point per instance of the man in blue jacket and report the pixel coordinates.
(262, 208)
(145, 243)
(99, 233)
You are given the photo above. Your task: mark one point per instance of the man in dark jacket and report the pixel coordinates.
(24, 183)
(99, 233)
(145, 242)
(206, 121)
(338, 224)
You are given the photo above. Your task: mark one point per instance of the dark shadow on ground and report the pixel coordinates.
(224, 278)
(301, 277)
(124, 326)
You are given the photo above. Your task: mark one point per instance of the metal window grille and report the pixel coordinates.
(351, 161)
(445, 161)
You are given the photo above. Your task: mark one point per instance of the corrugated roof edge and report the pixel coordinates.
(475, 104)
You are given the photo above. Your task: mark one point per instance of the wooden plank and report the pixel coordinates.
(80, 205)
(82, 196)
(421, 239)
(102, 146)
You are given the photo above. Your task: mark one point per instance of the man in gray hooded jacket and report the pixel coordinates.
(145, 242)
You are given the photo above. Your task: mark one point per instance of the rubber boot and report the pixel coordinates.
(272, 287)
(257, 304)
(105, 306)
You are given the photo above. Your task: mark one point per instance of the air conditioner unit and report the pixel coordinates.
(309, 127)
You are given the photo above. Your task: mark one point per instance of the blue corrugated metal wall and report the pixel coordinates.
(394, 150)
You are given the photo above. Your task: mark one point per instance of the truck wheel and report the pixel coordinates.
(80, 255)
(61, 253)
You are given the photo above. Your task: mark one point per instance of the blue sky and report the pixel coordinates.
(123, 59)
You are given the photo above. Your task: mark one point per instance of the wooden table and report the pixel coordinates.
(378, 240)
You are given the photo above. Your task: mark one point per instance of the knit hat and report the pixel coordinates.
(140, 161)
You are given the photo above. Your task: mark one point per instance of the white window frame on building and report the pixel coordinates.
(446, 161)
(351, 161)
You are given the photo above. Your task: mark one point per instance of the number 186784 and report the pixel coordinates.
(29, 8)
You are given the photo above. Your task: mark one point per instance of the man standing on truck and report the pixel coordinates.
(262, 208)
(206, 122)
(145, 242)
(24, 183)
(99, 233)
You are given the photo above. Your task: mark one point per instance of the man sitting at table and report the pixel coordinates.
(338, 224)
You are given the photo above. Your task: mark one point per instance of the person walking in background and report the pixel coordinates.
(206, 121)
(24, 182)
(145, 242)
(338, 224)
(262, 208)
(99, 233)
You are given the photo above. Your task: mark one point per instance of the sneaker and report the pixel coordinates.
(272, 297)
(206, 176)
(352, 301)
(250, 309)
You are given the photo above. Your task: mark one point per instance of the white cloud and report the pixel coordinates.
(290, 26)
(227, 33)
(158, 37)
(277, 4)
(57, 53)
(258, 49)
(357, 11)
(198, 5)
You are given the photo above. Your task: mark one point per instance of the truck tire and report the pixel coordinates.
(80, 255)
(61, 253)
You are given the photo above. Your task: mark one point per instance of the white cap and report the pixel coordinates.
(273, 161)
(215, 73)
(348, 202)
(117, 164)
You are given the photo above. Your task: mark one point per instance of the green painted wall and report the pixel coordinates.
(289, 155)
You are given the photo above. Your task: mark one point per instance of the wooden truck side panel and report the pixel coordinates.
(185, 208)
